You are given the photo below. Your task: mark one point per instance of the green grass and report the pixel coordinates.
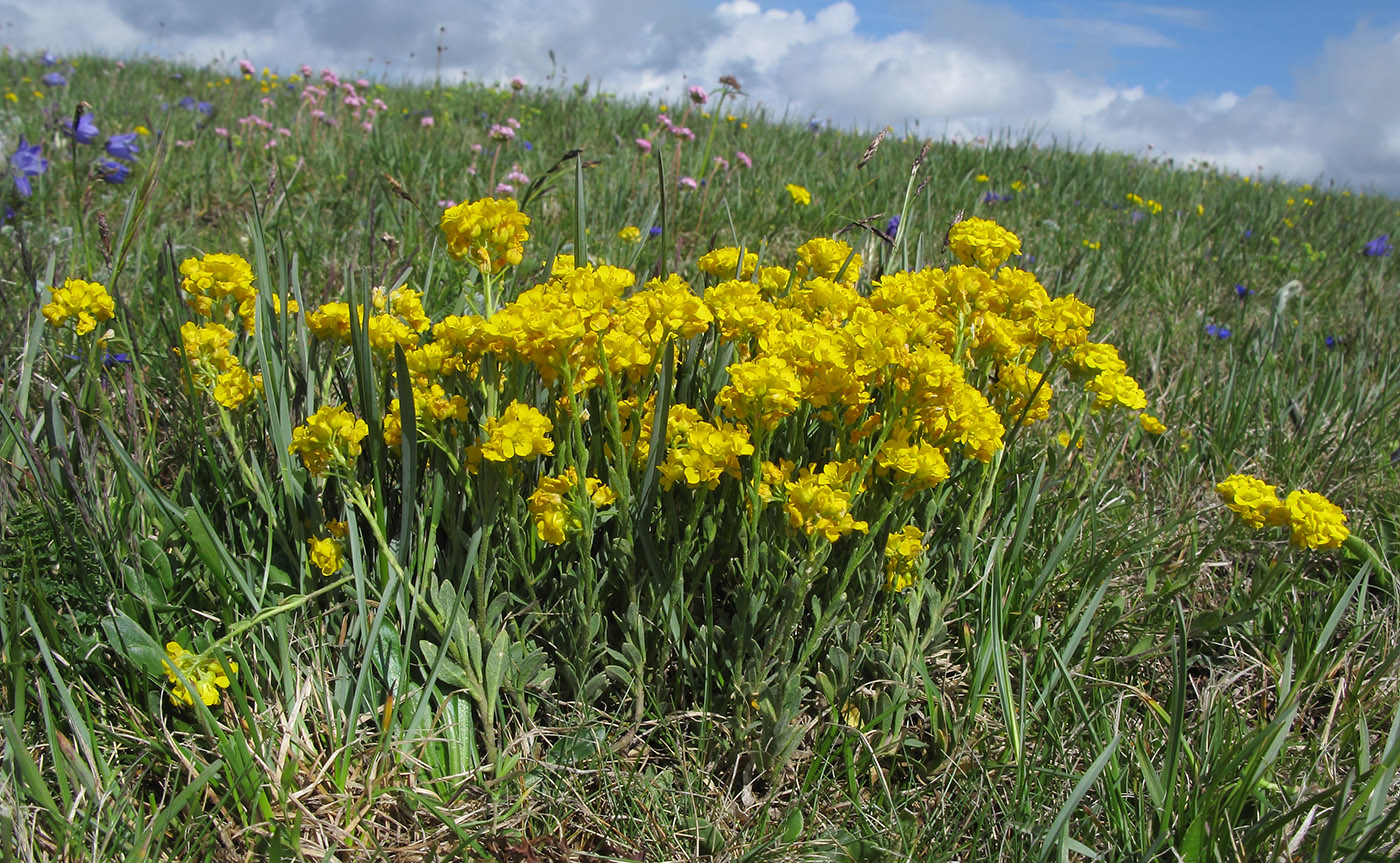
(1098, 659)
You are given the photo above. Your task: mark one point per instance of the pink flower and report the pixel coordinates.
(247, 67)
(722, 163)
(476, 148)
(184, 144)
(367, 125)
(697, 95)
(361, 83)
(446, 203)
(517, 83)
(271, 142)
(426, 122)
(689, 183)
(501, 133)
(121, 64)
(643, 144)
(664, 120)
(269, 102)
(221, 131)
(683, 132)
(284, 132)
(505, 189)
(516, 176)
(512, 122)
(305, 71)
(743, 159)
(380, 104)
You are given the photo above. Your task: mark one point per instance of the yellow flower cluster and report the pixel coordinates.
(902, 551)
(205, 674)
(820, 501)
(399, 319)
(326, 554)
(217, 277)
(330, 437)
(88, 302)
(213, 366)
(521, 431)
(700, 452)
(724, 263)
(554, 508)
(489, 233)
(798, 194)
(1313, 520)
(982, 242)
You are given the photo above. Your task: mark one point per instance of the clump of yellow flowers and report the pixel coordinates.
(204, 673)
(85, 302)
(905, 375)
(1313, 521)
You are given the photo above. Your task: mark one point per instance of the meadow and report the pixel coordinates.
(470, 471)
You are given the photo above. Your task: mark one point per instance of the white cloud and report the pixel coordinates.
(942, 75)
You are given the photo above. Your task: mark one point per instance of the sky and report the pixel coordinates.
(1306, 91)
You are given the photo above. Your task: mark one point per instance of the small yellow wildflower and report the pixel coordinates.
(205, 674)
(489, 233)
(799, 195)
(1253, 500)
(1315, 521)
(982, 242)
(89, 302)
(630, 234)
(520, 431)
(1151, 424)
(326, 555)
(331, 435)
(902, 551)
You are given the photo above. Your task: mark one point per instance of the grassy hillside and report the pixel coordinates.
(765, 493)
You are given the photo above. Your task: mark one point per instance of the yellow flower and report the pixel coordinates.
(630, 234)
(207, 675)
(520, 431)
(235, 386)
(326, 555)
(89, 302)
(799, 194)
(902, 551)
(823, 257)
(1253, 500)
(488, 233)
(723, 263)
(332, 435)
(553, 501)
(1315, 521)
(142, 131)
(820, 502)
(982, 178)
(982, 242)
(1110, 388)
(1151, 424)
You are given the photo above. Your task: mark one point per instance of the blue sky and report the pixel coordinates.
(1302, 90)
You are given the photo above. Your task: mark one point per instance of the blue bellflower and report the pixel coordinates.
(1380, 247)
(123, 146)
(54, 79)
(86, 132)
(25, 163)
(113, 172)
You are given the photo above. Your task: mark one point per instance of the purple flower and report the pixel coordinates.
(1220, 331)
(188, 103)
(994, 198)
(655, 230)
(527, 145)
(48, 59)
(113, 172)
(1380, 247)
(87, 129)
(25, 163)
(55, 79)
(1241, 291)
(892, 226)
(1330, 341)
(123, 147)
